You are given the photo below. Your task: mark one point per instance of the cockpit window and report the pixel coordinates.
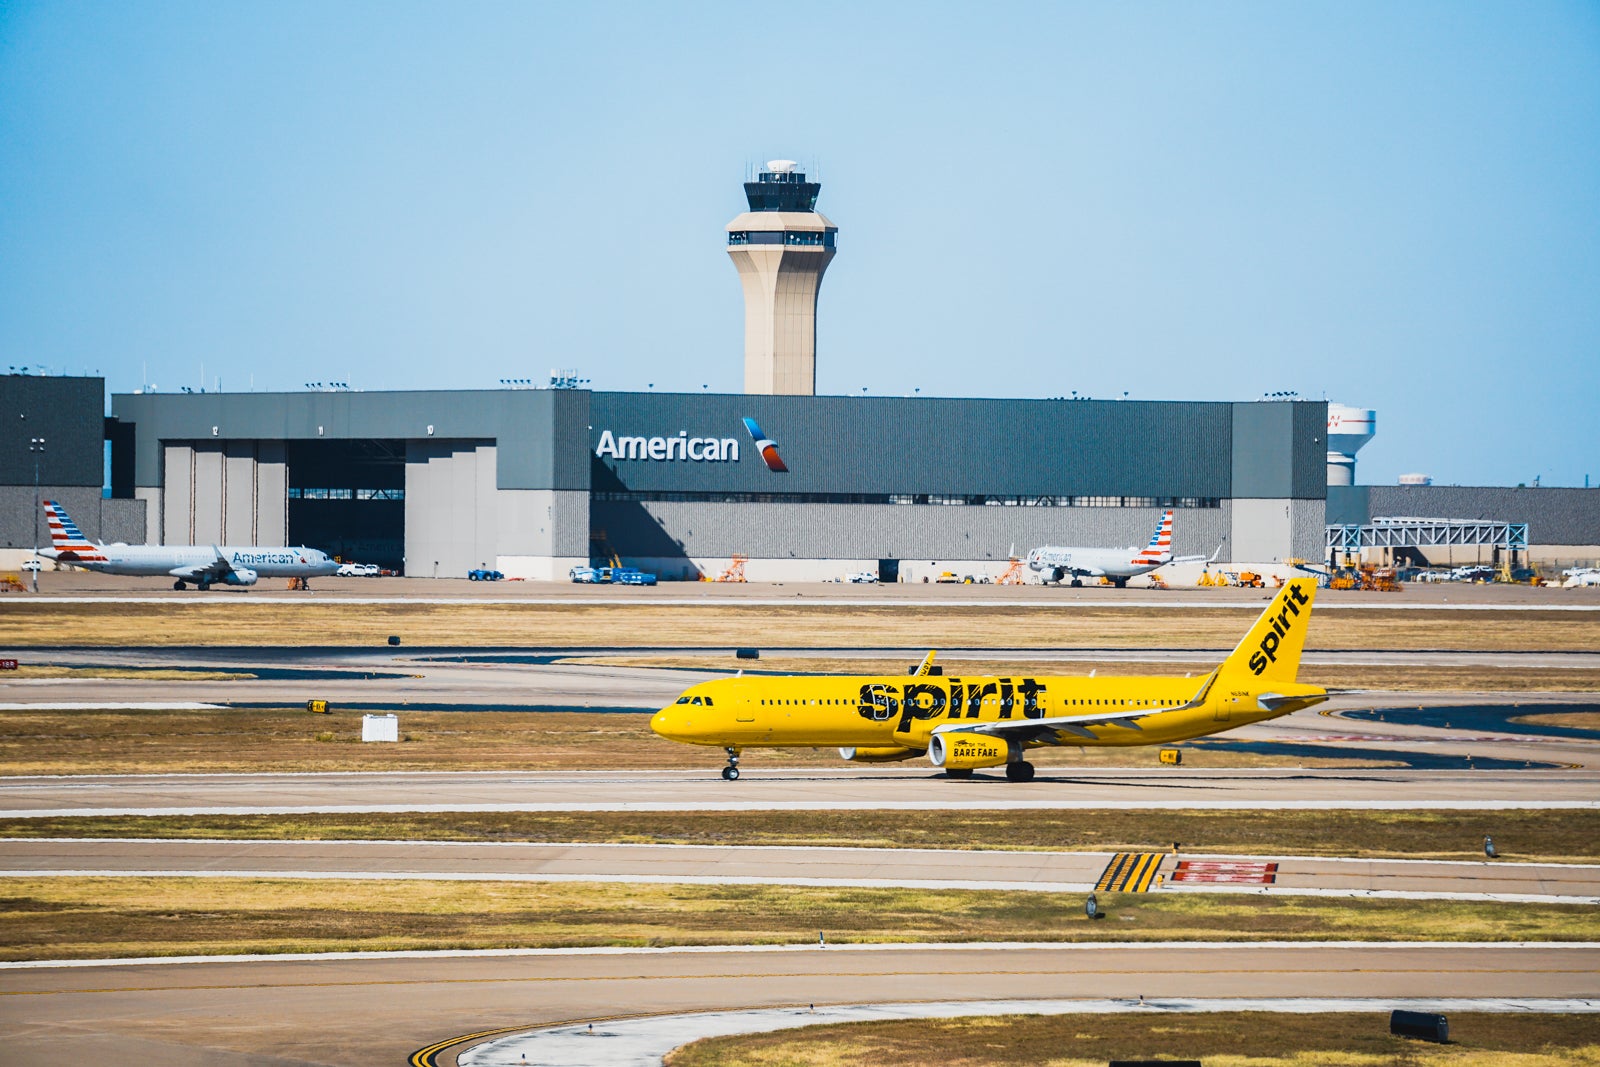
(682, 700)
(696, 700)
(708, 702)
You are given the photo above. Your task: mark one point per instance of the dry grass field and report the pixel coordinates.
(92, 918)
(1587, 720)
(1241, 1039)
(1521, 835)
(291, 740)
(27, 671)
(26, 623)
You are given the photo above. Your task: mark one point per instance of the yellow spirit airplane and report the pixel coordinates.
(962, 724)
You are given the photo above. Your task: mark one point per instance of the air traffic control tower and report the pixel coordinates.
(781, 246)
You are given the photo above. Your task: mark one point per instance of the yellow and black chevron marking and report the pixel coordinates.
(1130, 872)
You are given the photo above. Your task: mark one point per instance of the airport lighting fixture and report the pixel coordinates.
(567, 379)
(36, 446)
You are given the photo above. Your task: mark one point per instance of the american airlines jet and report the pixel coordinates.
(1118, 564)
(201, 564)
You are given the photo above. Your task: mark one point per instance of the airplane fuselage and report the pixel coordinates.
(164, 560)
(1111, 562)
(903, 711)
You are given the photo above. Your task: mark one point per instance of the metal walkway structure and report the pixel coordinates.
(1424, 533)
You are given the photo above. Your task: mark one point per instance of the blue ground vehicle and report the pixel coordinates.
(630, 576)
(481, 574)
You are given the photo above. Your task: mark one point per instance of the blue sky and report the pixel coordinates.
(1393, 205)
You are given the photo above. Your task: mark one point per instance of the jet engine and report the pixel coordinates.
(964, 752)
(240, 576)
(888, 754)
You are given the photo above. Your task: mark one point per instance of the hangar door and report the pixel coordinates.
(348, 498)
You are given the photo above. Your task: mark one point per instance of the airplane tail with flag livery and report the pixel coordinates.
(66, 540)
(1159, 550)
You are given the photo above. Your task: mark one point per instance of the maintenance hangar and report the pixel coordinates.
(53, 446)
(1563, 524)
(535, 481)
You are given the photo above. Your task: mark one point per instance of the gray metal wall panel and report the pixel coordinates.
(1347, 504)
(479, 478)
(1308, 522)
(523, 420)
(1279, 451)
(208, 495)
(99, 519)
(20, 523)
(571, 534)
(934, 445)
(571, 416)
(272, 494)
(543, 522)
(527, 522)
(122, 520)
(1310, 444)
(450, 526)
(848, 531)
(428, 515)
(239, 489)
(177, 506)
(69, 413)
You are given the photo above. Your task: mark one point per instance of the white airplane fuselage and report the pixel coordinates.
(165, 560)
(1093, 562)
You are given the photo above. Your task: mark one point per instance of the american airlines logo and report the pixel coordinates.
(256, 559)
(684, 448)
(766, 446)
(665, 449)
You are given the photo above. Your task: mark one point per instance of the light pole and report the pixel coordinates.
(36, 446)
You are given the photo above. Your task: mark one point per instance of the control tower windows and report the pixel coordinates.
(781, 237)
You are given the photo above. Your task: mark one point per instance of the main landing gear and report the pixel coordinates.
(731, 771)
(1020, 771)
(180, 585)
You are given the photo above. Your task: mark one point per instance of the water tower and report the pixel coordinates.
(1348, 429)
(781, 246)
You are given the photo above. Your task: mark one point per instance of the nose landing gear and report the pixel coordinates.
(731, 771)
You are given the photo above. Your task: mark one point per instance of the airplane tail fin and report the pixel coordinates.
(1271, 650)
(65, 537)
(1159, 550)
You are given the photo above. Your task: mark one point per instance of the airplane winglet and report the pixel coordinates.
(926, 666)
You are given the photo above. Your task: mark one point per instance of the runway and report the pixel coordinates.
(997, 870)
(361, 1011)
(845, 789)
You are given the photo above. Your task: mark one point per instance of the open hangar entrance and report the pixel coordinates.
(348, 498)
